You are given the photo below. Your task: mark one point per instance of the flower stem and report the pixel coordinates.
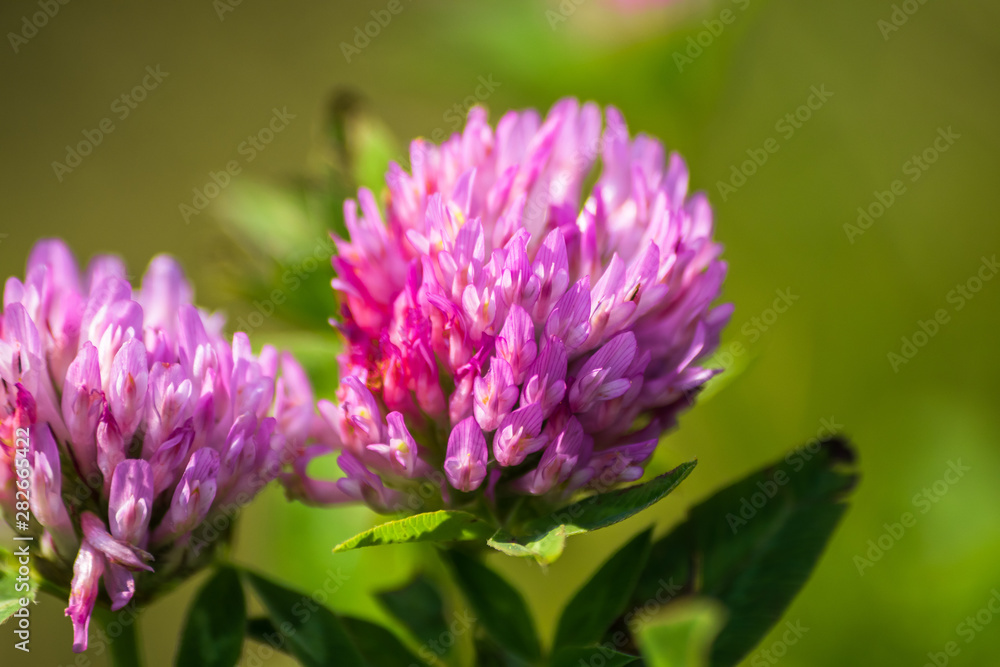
(123, 638)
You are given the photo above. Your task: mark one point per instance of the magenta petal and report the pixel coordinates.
(494, 394)
(516, 342)
(46, 491)
(87, 571)
(82, 402)
(114, 550)
(127, 386)
(465, 463)
(518, 435)
(120, 585)
(193, 495)
(130, 504)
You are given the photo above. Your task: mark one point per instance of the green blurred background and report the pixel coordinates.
(824, 359)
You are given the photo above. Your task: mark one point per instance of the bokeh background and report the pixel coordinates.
(823, 361)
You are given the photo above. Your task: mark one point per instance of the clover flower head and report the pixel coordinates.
(141, 423)
(526, 310)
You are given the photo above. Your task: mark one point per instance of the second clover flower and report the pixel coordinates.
(511, 328)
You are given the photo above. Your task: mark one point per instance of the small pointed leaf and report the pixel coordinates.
(543, 538)
(545, 549)
(440, 526)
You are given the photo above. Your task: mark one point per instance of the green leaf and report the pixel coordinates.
(536, 538)
(546, 549)
(315, 636)
(753, 545)
(378, 646)
(262, 630)
(216, 623)
(10, 597)
(440, 526)
(489, 654)
(597, 604)
(682, 635)
(419, 606)
(497, 605)
(593, 655)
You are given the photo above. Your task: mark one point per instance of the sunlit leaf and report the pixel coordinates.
(440, 526)
(681, 636)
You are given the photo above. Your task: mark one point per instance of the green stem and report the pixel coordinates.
(123, 637)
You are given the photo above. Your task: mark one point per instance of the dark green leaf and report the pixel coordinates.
(595, 655)
(543, 538)
(440, 526)
(488, 654)
(497, 605)
(262, 630)
(601, 600)
(419, 606)
(753, 545)
(216, 623)
(314, 635)
(378, 646)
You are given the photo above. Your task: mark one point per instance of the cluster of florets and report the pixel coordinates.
(512, 326)
(135, 431)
